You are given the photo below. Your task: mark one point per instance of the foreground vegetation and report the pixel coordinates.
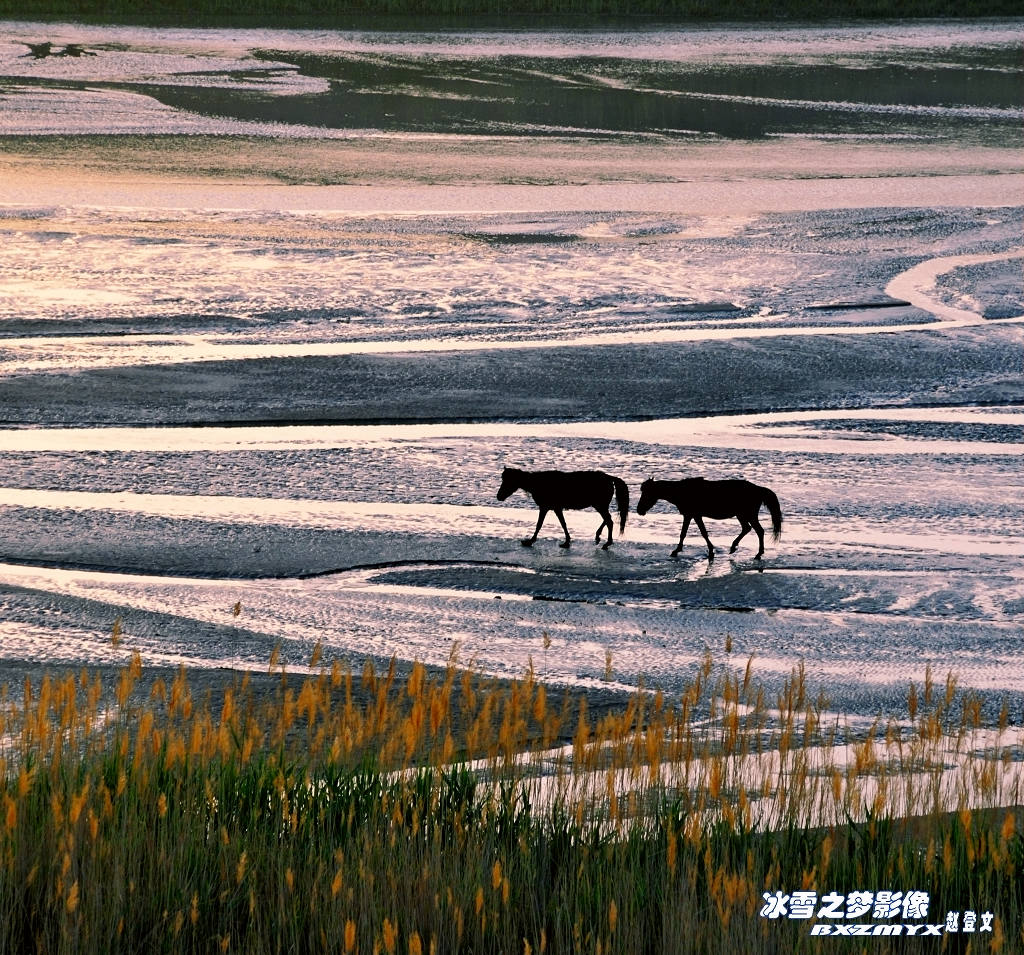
(447, 812)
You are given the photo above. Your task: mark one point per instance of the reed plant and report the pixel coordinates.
(450, 812)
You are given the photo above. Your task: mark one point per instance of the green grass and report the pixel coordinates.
(522, 12)
(375, 815)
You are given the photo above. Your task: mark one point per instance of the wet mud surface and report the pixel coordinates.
(220, 392)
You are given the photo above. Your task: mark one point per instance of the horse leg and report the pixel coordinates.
(561, 520)
(606, 521)
(704, 533)
(759, 530)
(744, 530)
(540, 520)
(682, 536)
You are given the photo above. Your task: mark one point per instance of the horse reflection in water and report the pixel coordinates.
(569, 491)
(696, 498)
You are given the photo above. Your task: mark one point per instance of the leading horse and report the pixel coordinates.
(569, 491)
(696, 498)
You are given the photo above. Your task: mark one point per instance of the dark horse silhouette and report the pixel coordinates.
(696, 498)
(569, 490)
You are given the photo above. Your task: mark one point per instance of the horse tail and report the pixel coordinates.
(771, 501)
(621, 501)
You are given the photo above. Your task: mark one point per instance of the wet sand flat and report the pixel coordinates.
(784, 373)
(281, 370)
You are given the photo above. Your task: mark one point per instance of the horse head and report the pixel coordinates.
(510, 478)
(648, 497)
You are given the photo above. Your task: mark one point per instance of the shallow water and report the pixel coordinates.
(920, 80)
(817, 227)
(893, 539)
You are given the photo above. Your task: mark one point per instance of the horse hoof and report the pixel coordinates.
(527, 543)
(564, 545)
(606, 546)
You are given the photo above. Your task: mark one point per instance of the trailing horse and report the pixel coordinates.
(569, 491)
(696, 498)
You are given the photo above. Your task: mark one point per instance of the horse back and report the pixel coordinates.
(570, 489)
(717, 499)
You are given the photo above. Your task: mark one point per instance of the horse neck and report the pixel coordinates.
(653, 493)
(663, 490)
(672, 491)
(524, 481)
